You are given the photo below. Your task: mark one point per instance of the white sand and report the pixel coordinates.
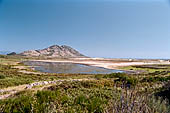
(105, 64)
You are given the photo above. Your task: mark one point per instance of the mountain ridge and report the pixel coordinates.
(54, 51)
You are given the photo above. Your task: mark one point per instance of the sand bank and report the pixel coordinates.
(109, 64)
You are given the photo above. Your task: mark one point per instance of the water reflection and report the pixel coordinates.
(53, 67)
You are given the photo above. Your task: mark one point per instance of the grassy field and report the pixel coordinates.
(145, 92)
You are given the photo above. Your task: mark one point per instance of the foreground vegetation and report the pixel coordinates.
(82, 97)
(146, 92)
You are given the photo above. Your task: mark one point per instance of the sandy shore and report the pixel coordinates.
(109, 64)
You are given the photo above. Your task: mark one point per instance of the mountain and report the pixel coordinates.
(4, 52)
(54, 51)
(12, 53)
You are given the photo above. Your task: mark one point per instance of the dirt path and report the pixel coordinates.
(10, 91)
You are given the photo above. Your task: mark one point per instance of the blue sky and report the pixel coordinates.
(97, 28)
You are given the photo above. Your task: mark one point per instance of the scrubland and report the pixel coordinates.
(144, 92)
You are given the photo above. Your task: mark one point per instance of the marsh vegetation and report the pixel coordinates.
(96, 93)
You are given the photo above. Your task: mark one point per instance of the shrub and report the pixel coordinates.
(132, 102)
(2, 77)
(98, 76)
(124, 78)
(91, 104)
(155, 79)
(44, 100)
(2, 56)
(115, 75)
(22, 104)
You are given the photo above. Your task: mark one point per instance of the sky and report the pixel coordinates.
(96, 28)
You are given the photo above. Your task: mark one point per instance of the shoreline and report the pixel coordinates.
(105, 63)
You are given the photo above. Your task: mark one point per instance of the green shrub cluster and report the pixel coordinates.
(103, 94)
(68, 98)
(2, 76)
(156, 79)
(60, 98)
(123, 78)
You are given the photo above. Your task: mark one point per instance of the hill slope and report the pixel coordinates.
(54, 51)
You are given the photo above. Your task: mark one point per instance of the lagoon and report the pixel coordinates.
(63, 67)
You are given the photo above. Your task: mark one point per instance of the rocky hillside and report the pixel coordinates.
(54, 51)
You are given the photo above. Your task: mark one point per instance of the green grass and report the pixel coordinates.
(136, 68)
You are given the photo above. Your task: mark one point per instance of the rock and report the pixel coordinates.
(45, 82)
(1, 91)
(28, 87)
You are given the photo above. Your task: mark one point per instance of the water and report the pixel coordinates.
(55, 67)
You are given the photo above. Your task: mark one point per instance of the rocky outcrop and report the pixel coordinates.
(54, 51)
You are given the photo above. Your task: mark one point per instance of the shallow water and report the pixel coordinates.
(56, 67)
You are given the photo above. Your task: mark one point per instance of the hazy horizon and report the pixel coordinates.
(104, 28)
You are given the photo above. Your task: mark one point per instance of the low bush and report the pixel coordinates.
(80, 100)
(123, 78)
(2, 77)
(2, 56)
(22, 104)
(115, 75)
(132, 102)
(156, 79)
